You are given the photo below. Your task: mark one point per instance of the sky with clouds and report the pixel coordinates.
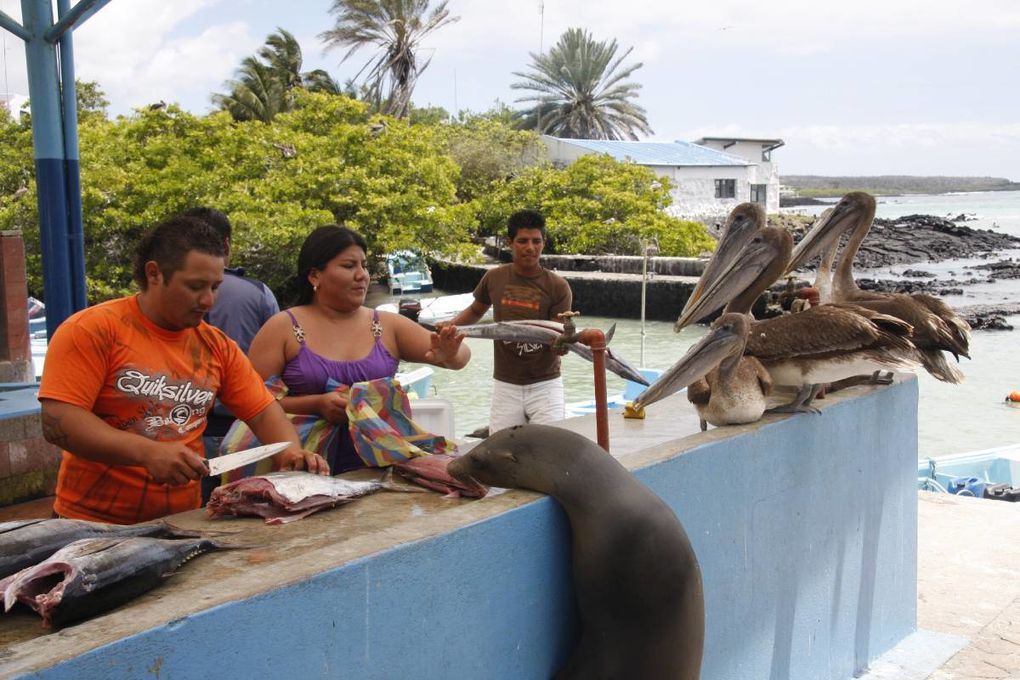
(921, 87)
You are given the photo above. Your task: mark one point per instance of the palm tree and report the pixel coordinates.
(396, 28)
(265, 83)
(581, 91)
(256, 94)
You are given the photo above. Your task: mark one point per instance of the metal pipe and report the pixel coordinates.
(596, 340)
(8, 22)
(644, 286)
(74, 17)
(51, 182)
(72, 173)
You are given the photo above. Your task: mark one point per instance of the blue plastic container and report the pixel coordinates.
(967, 486)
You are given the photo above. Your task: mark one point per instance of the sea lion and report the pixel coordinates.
(636, 578)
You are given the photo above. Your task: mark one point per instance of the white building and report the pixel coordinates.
(709, 177)
(14, 103)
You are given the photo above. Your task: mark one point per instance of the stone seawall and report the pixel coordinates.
(596, 293)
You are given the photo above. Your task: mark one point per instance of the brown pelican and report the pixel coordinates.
(937, 327)
(819, 345)
(725, 387)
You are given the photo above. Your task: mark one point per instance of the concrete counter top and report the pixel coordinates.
(293, 554)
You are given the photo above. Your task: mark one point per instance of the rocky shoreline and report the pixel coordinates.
(919, 239)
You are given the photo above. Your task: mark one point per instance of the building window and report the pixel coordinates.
(758, 193)
(726, 188)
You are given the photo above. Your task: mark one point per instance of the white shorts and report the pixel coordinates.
(540, 403)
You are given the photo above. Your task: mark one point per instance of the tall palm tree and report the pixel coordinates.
(581, 91)
(265, 83)
(395, 28)
(257, 93)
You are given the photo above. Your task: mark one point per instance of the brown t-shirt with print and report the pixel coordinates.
(514, 297)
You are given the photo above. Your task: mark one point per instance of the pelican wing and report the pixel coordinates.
(824, 330)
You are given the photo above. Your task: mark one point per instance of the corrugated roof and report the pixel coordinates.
(658, 153)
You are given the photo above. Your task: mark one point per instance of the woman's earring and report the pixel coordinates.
(315, 288)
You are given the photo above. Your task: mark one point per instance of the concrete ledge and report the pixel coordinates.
(805, 528)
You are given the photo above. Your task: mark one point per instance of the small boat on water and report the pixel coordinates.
(432, 310)
(407, 272)
(991, 473)
(630, 391)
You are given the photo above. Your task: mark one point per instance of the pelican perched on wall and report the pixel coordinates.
(726, 387)
(819, 345)
(937, 328)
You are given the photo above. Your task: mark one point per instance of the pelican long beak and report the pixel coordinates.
(696, 363)
(738, 231)
(824, 233)
(737, 275)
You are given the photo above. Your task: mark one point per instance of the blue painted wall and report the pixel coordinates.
(805, 530)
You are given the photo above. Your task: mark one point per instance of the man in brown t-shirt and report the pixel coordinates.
(528, 387)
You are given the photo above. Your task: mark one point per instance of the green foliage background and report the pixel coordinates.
(431, 185)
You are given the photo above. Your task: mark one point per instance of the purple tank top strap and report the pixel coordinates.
(299, 332)
(376, 326)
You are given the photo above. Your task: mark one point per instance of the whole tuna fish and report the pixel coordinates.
(94, 575)
(547, 333)
(281, 497)
(430, 472)
(27, 542)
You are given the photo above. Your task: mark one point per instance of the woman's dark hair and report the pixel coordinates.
(170, 241)
(321, 246)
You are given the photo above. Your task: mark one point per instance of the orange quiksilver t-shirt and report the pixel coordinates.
(113, 361)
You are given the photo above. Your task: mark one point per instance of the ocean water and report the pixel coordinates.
(951, 418)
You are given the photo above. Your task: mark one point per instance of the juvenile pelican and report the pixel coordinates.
(725, 387)
(937, 328)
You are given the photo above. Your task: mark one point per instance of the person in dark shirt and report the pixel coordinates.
(242, 305)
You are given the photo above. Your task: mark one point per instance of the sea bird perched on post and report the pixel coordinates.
(937, 328)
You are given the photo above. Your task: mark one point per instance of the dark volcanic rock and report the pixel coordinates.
(1003, 269)
(989, 317)
(926, 238)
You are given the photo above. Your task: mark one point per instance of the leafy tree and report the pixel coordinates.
(395, 28)
(581, 91)
(91, 98)
(597, 205)
(489, 150)
(265, 83)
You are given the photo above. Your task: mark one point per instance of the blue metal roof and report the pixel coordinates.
(658, 153)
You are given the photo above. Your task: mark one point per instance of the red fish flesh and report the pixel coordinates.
(430, 472)
(282, 497)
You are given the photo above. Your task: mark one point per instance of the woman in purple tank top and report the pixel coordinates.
(331, 334)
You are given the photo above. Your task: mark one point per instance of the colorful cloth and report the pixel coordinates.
(379, 413)
(317, 435)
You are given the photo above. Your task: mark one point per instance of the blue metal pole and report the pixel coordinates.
(13, 26)
(47, 140)
(74, 17)
(72, 175)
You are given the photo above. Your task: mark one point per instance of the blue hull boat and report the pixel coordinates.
(991, 473)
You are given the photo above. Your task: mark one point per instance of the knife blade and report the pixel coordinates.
(232, 461)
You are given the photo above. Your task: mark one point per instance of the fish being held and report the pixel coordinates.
(94, 575)
(547, 333)
(27, 542)
(282, 497)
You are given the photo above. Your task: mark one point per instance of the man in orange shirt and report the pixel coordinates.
(129, 384)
